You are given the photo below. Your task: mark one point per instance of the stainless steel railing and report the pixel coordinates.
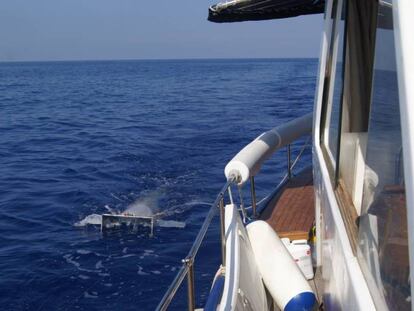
(257, 207)
(187, 268)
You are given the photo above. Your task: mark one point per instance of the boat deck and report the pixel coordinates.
(291, 212)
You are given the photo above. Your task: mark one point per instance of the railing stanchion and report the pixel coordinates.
(222, 232)
(187, 269)
(253, 191)
(190, 283)
(289, 167)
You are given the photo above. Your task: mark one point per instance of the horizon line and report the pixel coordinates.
(150, 59)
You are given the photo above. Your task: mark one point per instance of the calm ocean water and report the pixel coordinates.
(82, 138)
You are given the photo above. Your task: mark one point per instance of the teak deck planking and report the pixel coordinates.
(291, 212)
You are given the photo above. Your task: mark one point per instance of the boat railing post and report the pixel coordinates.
(187, 269)
(222, 232)
(152, 227)
(289, 164)
(253, 193)
(190, 283)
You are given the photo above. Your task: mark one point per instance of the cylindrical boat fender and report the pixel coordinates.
(281, 275)
(249, 160)
(216, 292)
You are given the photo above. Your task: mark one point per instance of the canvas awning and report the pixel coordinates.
(253, 10)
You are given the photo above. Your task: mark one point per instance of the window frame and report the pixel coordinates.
(332, 161)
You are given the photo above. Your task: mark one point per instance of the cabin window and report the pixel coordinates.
(356, 101)
(330, 14)
(334, 86)
(383, 239)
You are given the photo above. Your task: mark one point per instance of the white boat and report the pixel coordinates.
(353, 204)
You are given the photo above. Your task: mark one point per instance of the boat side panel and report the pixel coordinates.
(344, 286)
(316, 116)
(243, 286)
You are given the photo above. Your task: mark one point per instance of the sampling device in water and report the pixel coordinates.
(111, 221)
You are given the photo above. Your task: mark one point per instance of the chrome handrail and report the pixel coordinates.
(257, 207)
(187, 269)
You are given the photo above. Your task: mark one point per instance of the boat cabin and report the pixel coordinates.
(359, 158)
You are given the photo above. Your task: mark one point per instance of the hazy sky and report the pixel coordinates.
(134, 29)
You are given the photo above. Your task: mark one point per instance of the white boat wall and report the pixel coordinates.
(363, 187)
(281, 275)
(243, 287)
(344, 285)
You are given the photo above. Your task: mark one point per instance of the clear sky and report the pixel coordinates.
(138, 29)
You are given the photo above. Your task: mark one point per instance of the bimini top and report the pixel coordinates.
(254, 10)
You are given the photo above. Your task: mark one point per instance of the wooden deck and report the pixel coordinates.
(291, 212)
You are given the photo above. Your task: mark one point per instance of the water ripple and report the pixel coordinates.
(83, 138)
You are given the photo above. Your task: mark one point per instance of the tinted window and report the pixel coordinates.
(383, 242)
(333, 88)
(334, 97)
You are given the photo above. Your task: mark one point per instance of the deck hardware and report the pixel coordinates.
(230, 195)
(399, 167)
(289, 163)
(243, 210)
(189, 262)
(253, 193)
(222, 233)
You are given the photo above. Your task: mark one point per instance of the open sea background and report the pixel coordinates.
(84, 138)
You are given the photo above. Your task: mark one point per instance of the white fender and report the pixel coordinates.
(249, 160)
(281, 275)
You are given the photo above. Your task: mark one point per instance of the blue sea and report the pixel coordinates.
(79, 139)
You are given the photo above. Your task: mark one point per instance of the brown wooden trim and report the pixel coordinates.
(294, 235)
(348, 213)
